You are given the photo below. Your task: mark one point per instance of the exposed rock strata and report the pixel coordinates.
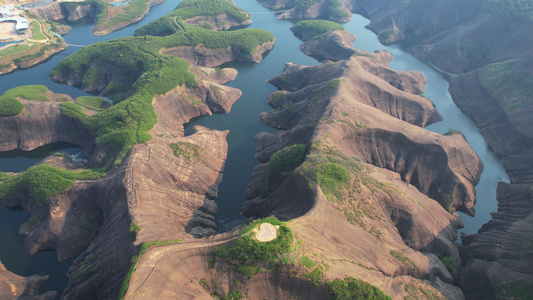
(166, 194)
(336, 45)
(202, 56)
(58, 11)
(478, 46)
(14, 287)
(355, 119)
(402, 148)
(220, 22)
(464, 38)
(339, 11)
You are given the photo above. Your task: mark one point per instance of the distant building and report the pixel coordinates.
(21, 23)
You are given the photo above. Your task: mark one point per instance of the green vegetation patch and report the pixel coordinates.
(303, 5)
(37, 33)
(316, 276)
(133, 11)
(134, 227)
(144, 247)
(416, 292)
(126, 123)
(448, 261)
(315, 28)
(188, 151)
(43, 182)
(331, 177)
(403, 259)
(189, 9)
(9, 106)
(307, 262)
(247, 249)
(29, 92)
(286, 159)
(19, 48)
(447, 202)
(518, 290)
(5, 176)
(93, 103)
(512, 9)
(84, 271)
(350, 288)
(385, 35)
(510, 89)
(251, 256)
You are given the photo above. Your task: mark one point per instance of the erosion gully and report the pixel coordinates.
(243, 123)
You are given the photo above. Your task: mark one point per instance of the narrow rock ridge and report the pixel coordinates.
(351, 113)
(400, 147)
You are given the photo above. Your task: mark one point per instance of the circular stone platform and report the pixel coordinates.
(267, 232)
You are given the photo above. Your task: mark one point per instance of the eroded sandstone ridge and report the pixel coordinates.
(164, 186)
(486, 53)
(360, 116)
(359, 202)
(14, 287)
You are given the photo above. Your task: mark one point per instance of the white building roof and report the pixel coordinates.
(22, 23)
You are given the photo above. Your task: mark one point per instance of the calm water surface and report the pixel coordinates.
(243, 123)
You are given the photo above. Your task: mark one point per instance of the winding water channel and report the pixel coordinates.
(243, 123)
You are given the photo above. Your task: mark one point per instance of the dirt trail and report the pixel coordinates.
(148, 279)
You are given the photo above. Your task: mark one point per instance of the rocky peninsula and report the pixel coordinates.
(350, 147)
(112, 211)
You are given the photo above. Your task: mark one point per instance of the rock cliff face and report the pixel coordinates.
(39, 124)
(165, 192)
(488, 58)
(334, 10)
(336, 45)
(14, 287)
(165, 187)
(394, 166)
(58, 11)
(220, 22)
(202, 56)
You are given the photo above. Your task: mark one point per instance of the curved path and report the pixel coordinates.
(149, 279)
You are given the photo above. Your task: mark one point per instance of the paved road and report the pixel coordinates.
(37, 4)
